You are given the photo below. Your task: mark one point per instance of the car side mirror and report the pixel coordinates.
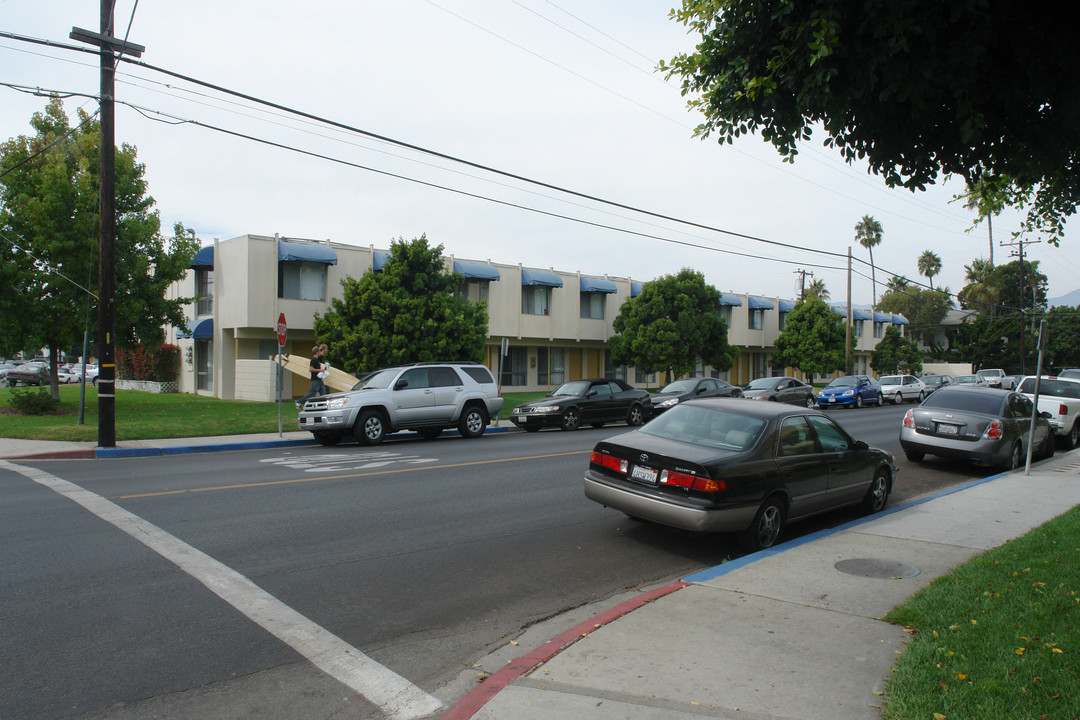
(401, 384)
(1045, 414)
(861, 445)
(701, 390)
(591, 393)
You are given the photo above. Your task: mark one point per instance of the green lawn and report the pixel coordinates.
(997, 638)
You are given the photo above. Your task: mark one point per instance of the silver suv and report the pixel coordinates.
(425, 397)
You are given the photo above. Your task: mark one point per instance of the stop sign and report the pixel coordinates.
(281, 330)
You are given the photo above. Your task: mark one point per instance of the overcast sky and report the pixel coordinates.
(559, 92)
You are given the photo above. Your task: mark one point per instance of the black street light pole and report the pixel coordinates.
(107, 210)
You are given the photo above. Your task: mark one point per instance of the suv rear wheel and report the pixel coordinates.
(473, 421)
(370, 427)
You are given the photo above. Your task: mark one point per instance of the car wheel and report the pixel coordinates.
(473, 421)
(914, 455)
(766, 528)
(570, 419)
(810, 401)
(94, 381)
(1016, 457)
(858, 401)
(922, 395)
(1047, 449)
(877, 494)
(635, 417)
(898, 398)
(370, 428)
(880, 400)
(429, 433)
(327, 439)
(1069, 441)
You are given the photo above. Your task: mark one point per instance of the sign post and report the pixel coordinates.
(282, 332)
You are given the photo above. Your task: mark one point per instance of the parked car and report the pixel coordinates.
(1011, 382)
(780, 389)
(898, 388)
(91, 373)
(936, 382)
(691, 389)
(31, 373)
(722, 465)
(970, 381)
(425, 397)
(994, 377)
(1060, 397)
(65, 375)
(595, 402)
(850, 391)
(986, 426)
(4, 367)
(1072, 373)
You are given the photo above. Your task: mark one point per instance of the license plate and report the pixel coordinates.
(946, 429)
(643, 474)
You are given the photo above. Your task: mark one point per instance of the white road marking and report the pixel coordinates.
(340, 462)
(395, 695)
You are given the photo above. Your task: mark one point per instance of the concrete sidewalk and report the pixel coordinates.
(13, 449)
(783, 633)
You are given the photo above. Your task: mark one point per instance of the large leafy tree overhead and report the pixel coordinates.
(813, 338)
(671, 325)
(979, 89)
(49, 242)
(410, 311)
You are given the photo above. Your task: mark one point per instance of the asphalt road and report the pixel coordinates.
(422, 555)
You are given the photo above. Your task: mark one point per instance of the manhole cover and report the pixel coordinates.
(880, 569)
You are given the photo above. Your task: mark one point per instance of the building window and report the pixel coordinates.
(514, 367)
(592, 305)
(615, 372)
(725, 315)
(204, 290)
(535, 300)
(755, 318)
(474, 290)
(783, 321)
(644, 377)
(204, 365)
(550, 366)
(268, 349)
(879, 330)
(301, 280)
(859, 328)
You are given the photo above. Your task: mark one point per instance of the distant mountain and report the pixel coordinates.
(1072, 299)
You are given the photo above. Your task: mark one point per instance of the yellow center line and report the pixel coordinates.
(241, 486)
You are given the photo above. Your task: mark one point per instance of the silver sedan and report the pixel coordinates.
(985, 426)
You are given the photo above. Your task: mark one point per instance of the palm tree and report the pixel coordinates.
(982, 196)
(817, 288)
(898, 284)
(980, 290)
(929, 265)
(868, 233)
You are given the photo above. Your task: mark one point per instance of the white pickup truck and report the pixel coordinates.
(1061, 398)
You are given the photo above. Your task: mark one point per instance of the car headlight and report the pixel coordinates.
(547, 409)
(669, 403)
(337, 403)
(849, 393)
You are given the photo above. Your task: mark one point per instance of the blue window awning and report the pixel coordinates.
(729, 300)
(899, 320)
(204, 259)
(882, 317)
(787, 306)
(378, 260)
(599, 285)
(756, 303)
(476, 271)
(306, 252)
(540, 277)
(635, 289)
(204, 330)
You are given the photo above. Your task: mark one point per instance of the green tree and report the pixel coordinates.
(984, 196)
(672, 324)
(813, 339)
(868, 232)
(901, 85)
(980, 292)
(410, 311)
(1063, 338)
(929, 265)
(924, 309)
(48, 234)
(817, 289)
(896, 354)
(1021, 286)
(897, 283)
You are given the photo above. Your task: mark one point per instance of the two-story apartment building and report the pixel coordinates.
(555, 323)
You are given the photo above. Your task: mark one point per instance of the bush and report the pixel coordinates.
(155, 364)
(33, 402)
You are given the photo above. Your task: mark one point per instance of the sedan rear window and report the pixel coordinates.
(1056, 388)
(707, 427)
(986, 402)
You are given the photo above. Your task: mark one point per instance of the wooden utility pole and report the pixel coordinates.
(847, 342)
(107, 211)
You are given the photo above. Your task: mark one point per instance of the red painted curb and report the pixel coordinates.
(58, 455)
(471, 703)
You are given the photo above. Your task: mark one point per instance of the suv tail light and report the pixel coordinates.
(909, 419)
(993, 430)
(1063, 410)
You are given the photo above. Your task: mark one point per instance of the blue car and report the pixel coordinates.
(850, 391)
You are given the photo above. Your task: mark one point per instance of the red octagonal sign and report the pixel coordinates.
(281, 330)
